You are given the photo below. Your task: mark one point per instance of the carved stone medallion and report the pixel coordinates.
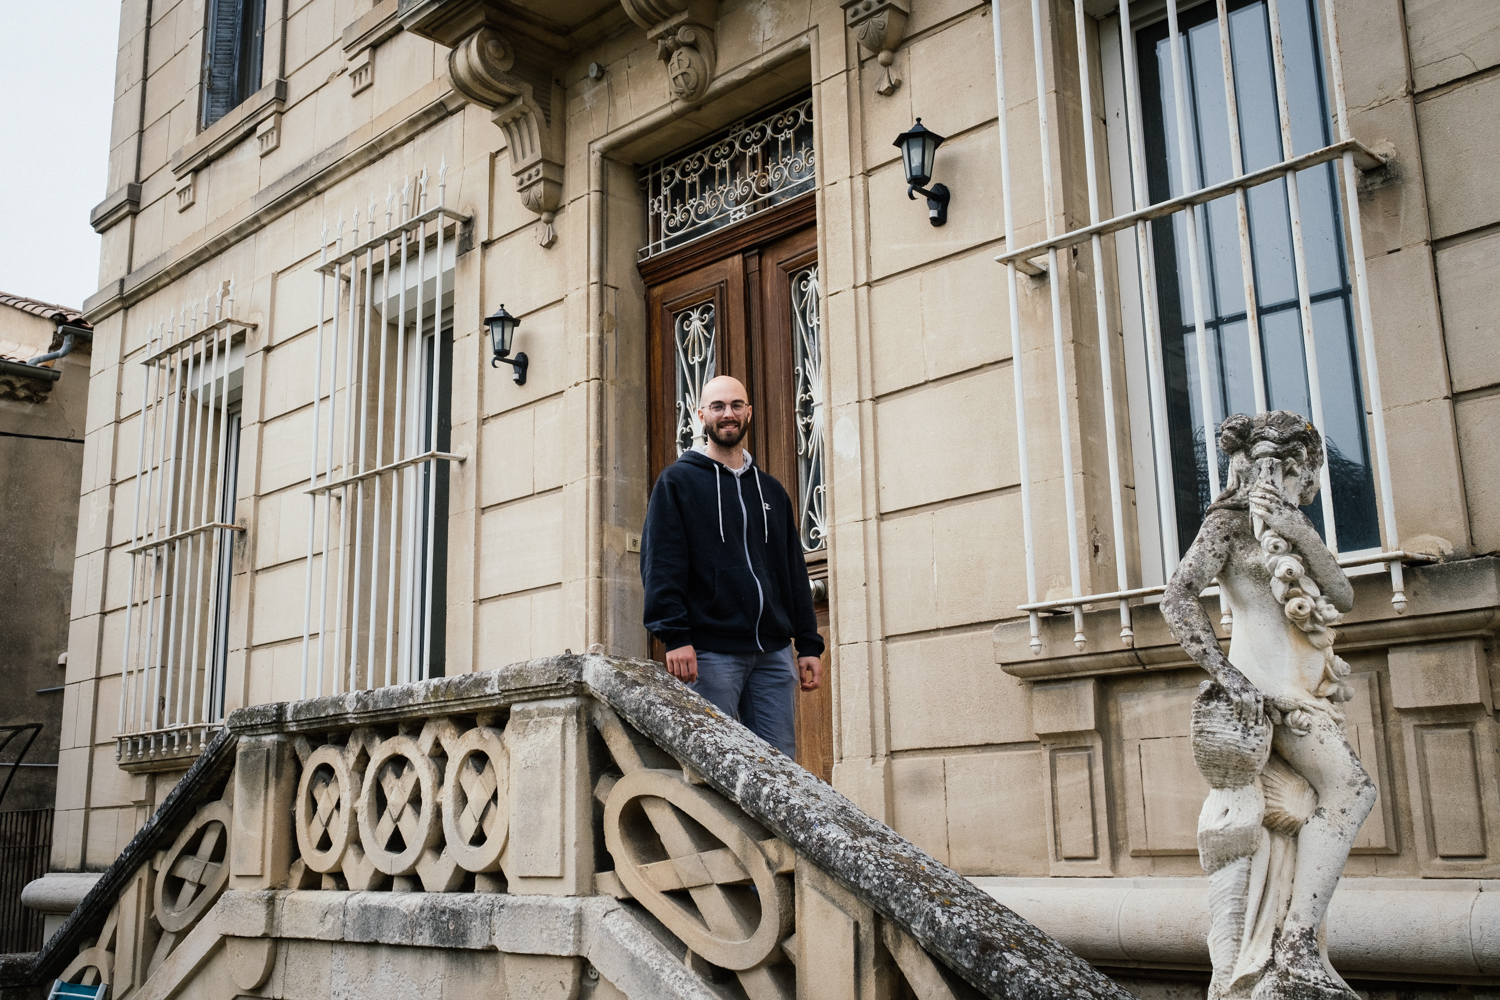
(195, 869)
(724, 899)
(398, 808)
(325, 807)
(476, 800)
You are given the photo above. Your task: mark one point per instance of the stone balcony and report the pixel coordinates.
(576, 826)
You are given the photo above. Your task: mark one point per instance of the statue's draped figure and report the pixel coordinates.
(1287, 792)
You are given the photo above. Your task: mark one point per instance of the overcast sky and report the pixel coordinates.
(57, 72)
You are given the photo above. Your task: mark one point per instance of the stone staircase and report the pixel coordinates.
(571, 827)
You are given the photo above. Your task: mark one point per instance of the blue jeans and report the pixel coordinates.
(758, 689)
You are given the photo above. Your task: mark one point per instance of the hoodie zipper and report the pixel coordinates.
(760, 594)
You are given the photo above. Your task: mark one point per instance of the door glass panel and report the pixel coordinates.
(807, 333)
(694, 338)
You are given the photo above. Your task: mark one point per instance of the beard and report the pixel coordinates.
(727, 438)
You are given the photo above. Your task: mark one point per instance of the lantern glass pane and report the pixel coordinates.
(929, 154)
(911, 160)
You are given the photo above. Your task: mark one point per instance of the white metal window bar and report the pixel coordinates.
(748, 168)
(1348, 152)
(807, 348)
(175, 645)
(378, 470)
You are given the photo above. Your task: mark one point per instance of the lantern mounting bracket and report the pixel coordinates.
(519, 363)
(937, 201)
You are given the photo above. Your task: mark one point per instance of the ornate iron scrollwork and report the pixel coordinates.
(748, 168)
(807, 346)
(694, 335)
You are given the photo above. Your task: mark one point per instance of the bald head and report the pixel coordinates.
(725, 388)
(724, 408)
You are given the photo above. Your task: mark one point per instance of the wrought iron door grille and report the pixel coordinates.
(747, 168)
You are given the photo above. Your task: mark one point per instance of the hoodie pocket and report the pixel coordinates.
(736, 601)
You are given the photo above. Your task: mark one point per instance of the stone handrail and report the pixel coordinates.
(505, 782)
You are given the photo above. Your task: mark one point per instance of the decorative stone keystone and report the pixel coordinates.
(683, 31)
(879, 26)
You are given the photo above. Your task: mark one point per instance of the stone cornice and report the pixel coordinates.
(343, 158)
(120, 204)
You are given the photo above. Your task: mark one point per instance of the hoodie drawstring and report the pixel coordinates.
(719, 500)
(764, 518)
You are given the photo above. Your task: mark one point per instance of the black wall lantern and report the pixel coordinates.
(502, 331)
(918, 146)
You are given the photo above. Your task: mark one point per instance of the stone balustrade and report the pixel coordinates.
(568, 826)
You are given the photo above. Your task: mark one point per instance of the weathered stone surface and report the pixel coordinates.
(204, 780)
(985, 943)
(619, 942)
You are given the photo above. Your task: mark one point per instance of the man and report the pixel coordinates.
(726, 585)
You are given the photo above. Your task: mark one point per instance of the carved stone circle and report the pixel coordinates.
(476, 800)
(195, 869)
(325, 807)
(398, 808)
(640, 819)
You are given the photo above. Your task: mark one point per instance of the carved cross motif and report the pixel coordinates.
(398, 782)
(194, 870)
(738, 905)
(326, 795)
(198, 870)
(480, 806)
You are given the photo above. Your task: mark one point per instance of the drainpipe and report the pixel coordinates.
(68, 332)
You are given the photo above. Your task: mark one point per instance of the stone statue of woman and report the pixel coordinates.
(1287, 792)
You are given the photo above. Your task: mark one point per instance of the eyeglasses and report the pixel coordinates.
(717, 407)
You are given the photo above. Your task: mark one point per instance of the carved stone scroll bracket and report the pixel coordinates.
(516, 82)
(683, 31)
(879, 26)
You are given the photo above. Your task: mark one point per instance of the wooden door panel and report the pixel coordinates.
(722, 284)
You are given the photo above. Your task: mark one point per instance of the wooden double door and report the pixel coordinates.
(743, 302)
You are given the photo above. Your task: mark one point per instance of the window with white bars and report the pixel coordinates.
(182, 533)
(1238, 277)
(378, 460)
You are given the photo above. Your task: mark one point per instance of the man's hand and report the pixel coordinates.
(810, 672)
(682, 663)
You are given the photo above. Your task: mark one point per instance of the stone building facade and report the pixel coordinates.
(304, 476)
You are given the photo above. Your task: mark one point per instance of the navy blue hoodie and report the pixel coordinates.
(722, 562)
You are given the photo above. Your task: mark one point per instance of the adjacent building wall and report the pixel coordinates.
(41, 460)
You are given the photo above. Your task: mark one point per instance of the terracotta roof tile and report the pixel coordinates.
(46, 310)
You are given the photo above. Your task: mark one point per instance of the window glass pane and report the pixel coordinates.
(1231, 388)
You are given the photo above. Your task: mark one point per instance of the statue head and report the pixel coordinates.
(1277, 449)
